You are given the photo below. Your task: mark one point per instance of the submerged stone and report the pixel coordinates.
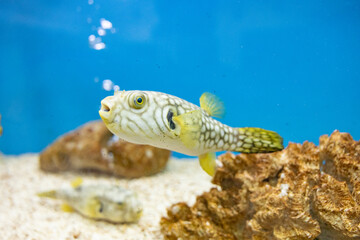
(94, 147)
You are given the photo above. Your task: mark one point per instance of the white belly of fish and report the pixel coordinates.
(172, 144)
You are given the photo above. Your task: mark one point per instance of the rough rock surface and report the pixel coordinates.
(94, 147)
(302, 192)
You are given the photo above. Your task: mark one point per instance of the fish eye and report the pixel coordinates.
(101, 207)
(139, 101)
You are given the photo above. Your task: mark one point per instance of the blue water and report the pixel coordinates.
(288, 66)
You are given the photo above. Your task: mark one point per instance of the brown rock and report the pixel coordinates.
(302, 192)
(94, 147)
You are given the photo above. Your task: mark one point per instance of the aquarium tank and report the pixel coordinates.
(286, 66)
(292, 67)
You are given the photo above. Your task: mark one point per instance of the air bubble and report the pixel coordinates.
(99, 46)
(107, 85)
(116, 88)
(105, 24)
(101, 31)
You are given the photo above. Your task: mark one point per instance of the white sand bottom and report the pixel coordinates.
(23, 215)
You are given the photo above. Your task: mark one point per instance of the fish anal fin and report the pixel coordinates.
(76, 182)
(208, 162)
(67, 208)
(212, 105)
(189, 128)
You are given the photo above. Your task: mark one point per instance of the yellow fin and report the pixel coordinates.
(208, 162)
(76, 182)
(212, 105)
(189, 127)
(67, 208)
(48, 194)
(93, 207)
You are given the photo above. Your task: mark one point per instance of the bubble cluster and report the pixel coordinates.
(108, 85)
(95, 40)
(100, 27)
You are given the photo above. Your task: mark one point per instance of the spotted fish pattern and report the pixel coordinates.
(166, 121)
(212, 135)
(101, 202)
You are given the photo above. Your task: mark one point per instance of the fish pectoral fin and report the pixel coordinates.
(93, 207)
(189, 124)
(208, 162)
(67, 208)
(76, 182)
(212, 105)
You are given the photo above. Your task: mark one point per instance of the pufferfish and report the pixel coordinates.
(169, 122)
(100, 202)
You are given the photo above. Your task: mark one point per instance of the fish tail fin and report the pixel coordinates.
(258, 140)
(47, 194)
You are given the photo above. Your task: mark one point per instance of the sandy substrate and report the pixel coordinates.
(23, 215)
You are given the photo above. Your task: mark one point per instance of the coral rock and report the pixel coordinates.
(94, 147)
(302, 192)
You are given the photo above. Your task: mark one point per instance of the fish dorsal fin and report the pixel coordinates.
(76, 182)
(189, 124)
(212, 105)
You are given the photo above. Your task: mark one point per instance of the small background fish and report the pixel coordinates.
(101, 202)
(1, 129)
(169, 122)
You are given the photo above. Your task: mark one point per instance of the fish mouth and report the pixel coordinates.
(105, 107)
(106, 110)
